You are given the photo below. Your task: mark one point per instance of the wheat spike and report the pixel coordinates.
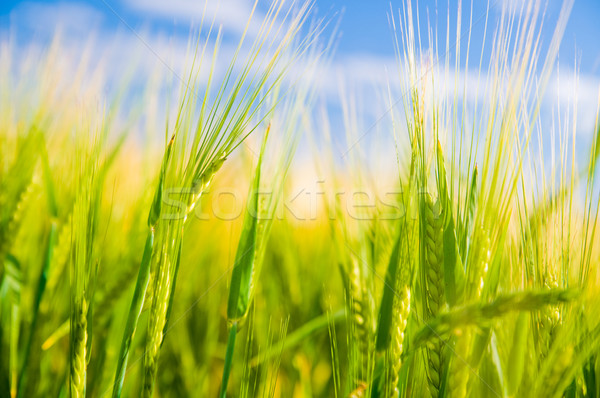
(149, 296)
(79, 347)
(433, 263)
(201, 184)
(481, 262)
(156, 323)
(547, 325)
(9, 233)
(548, 322)
(361, 317)
(400, 310)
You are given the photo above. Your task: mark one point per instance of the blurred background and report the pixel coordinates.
(151, 38)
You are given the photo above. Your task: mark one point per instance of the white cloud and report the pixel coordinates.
(75, 19)
(367, 75)
(232, 15)
(516, 7)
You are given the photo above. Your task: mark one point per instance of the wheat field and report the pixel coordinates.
(179, 259)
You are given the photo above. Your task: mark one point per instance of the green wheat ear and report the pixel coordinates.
(83, 265)
(142, 279)
(196, 152)
(479, 314)
(241, 286)
(362, 319)
(79, 344)
(401, 310)
(393, 313)
(435, 298)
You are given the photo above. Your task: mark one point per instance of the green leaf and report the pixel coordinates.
(154, 215)
(41, 288)
(90, 293)
(47, 174)
(469, 215)
(589, 376)
(480, 343)
(387, 299)
(243, 275)
(452, 268)
(516, 358)
(378, 379)
(299, 335)
(594, 153)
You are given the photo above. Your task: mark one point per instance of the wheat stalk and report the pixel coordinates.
(459, 365)
(460, 368)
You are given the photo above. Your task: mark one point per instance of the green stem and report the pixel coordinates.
(134, 314)
(228, 359)
(36, 308)
(299, 335)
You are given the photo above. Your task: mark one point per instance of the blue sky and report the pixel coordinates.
(364, 25)
(364, 54)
